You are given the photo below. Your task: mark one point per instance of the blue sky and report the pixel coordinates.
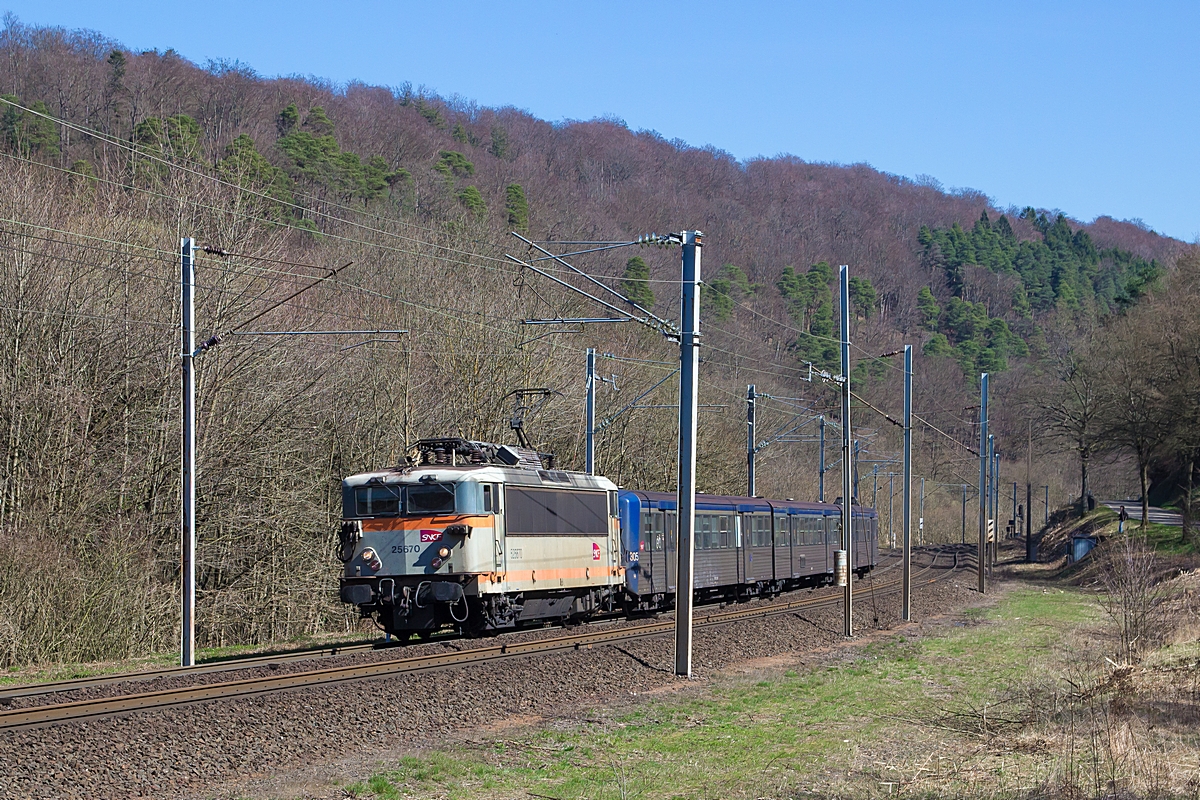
(1091, 108)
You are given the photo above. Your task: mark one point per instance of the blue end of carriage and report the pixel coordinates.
(630, 506)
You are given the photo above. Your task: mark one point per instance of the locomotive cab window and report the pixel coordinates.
(382, 500)
(429, 498)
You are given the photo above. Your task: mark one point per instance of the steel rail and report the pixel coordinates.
(244, 662)
(224, 665)
(40, 716)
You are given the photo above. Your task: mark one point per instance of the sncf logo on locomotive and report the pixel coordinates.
(431, 536)
(595, 551)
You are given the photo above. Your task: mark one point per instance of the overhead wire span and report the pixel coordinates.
(218, 266)
(96, 265)
(884, 414)
(930, 425)
(649, 315)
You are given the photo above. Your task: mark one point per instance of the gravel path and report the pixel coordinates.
(222, 748)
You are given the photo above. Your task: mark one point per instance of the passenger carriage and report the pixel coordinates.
(744, 546)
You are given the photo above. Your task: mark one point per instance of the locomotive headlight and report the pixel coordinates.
(443, 552)
(368, 555)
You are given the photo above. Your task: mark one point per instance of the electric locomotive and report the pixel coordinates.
(478, 537)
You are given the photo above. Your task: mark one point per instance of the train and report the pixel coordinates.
(481, 537)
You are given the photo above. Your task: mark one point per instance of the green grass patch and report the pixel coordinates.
(752, 737)
(1168, 539)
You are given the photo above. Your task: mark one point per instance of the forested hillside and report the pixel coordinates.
(110, 156)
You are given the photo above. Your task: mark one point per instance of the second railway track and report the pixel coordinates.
(82, 710)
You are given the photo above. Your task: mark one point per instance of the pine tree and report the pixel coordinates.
(796, 293)
(715, 300)
(862, 297)
(499, 145)
(634, 285)
(318, 123)
(928, 308)
(516, 207)
(27, 132)
(937, 345)
(473, 201)
(287, 119)
(83, 176)
(453, 163)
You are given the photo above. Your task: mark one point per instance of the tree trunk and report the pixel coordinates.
(1187, 498)
(1143, 468)
(1084, 456)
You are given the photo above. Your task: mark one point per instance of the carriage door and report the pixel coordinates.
(833, 540)
(645, 554)
(781, 535)
(493, 494)
(745, 529)
(671, 554)
(654, 555)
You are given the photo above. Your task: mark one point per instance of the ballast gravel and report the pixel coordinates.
(221, 748)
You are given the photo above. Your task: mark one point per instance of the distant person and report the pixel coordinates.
(1091, 502)
(1121, 519)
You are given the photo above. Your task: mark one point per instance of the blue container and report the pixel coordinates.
(1082, 545)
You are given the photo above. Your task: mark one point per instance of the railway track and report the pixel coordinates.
(237, 663)
(224, 665)
(81, 710)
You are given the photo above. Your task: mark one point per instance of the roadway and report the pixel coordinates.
(1161, 516)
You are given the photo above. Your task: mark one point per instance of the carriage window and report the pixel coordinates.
(657, 520)
(761, 527)
(725, 541)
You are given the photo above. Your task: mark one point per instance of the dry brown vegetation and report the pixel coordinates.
(89, 408)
